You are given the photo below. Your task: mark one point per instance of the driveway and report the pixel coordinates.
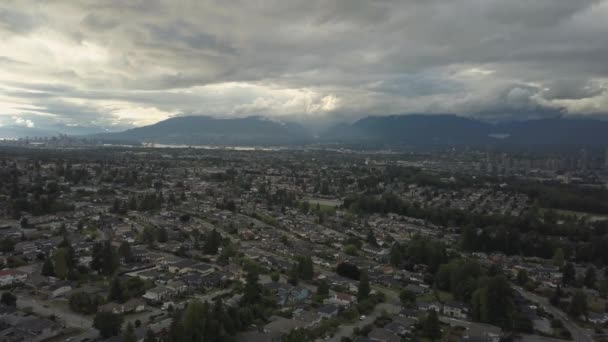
(578, 333)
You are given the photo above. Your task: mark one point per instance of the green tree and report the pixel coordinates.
(431, 327)
(578, 304)
(8, 299)
(306, 269)
(176, 329)
(590, 277)
(70, 253)
(125, 252)
(129, 334)
(558, 258)
(7, 245)
(407, 297)
(193, 321)
(568, 274)
(115, 293)
(396, 255)
(60, 263)
(150, 336)
(148, 235)
(105, 259)
(364, 288)
(84, 303)
(275, 276)
(351, 249)
(522, 277)
(323, 288)
(163, 236)
(603, 288)
(252, 291)
(492, 302)
(213, 241)
(47, 268)
(371, 238)
(556, 297)
(294, 275)
(108, 324)
(296, 335)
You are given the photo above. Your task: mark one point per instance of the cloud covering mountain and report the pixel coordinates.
(112, 65)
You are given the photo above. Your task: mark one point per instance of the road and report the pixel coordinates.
(346, 330)
(578, 333)
(46, 309)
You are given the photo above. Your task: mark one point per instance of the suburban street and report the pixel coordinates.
(578, 333)
(347, 330)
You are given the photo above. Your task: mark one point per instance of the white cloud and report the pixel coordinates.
(23, 122)
(133, 63)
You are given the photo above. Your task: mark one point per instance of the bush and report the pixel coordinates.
(557, 324)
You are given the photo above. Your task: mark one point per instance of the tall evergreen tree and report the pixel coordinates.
(125, 252)
(364, 288)
(306, 268)
(116, 293)
(47, 268)
(150, 336)
(108, 324)
(568, 274)
(396, 255)
(60, 264)
(253, 290)
(213, 241)
(431, 327)
(590, 277)
(129, 334)
(578, 304)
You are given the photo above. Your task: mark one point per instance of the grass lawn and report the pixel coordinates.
(324, 202)
(578, 214)
(430, 296)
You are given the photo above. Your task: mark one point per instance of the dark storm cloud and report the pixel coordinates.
(141, 61)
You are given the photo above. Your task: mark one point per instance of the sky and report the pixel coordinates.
(117, 64)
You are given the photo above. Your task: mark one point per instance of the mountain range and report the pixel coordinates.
(447, 129)
(393, 130)
(201, 130)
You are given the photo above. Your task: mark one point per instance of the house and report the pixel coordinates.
(455, 309)
(309, 318)
(158, 294)
(475, 331)
(401, 325)
(203, 269)
(428, 306)
(596, 318)
(292, 294)
(416, 289)
(57, 289)
(35, 329)
(256, 336)
(362, 339)
(181, 266)
(177, 287)
(132, 305)
(282, 325)
(382, 335)
(341, 299)
(112, 307)
(10, 277)
(328, 311)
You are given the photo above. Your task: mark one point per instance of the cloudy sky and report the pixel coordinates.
(122, 63)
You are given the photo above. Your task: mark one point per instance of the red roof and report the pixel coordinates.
(344, 296)
(8, 272)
